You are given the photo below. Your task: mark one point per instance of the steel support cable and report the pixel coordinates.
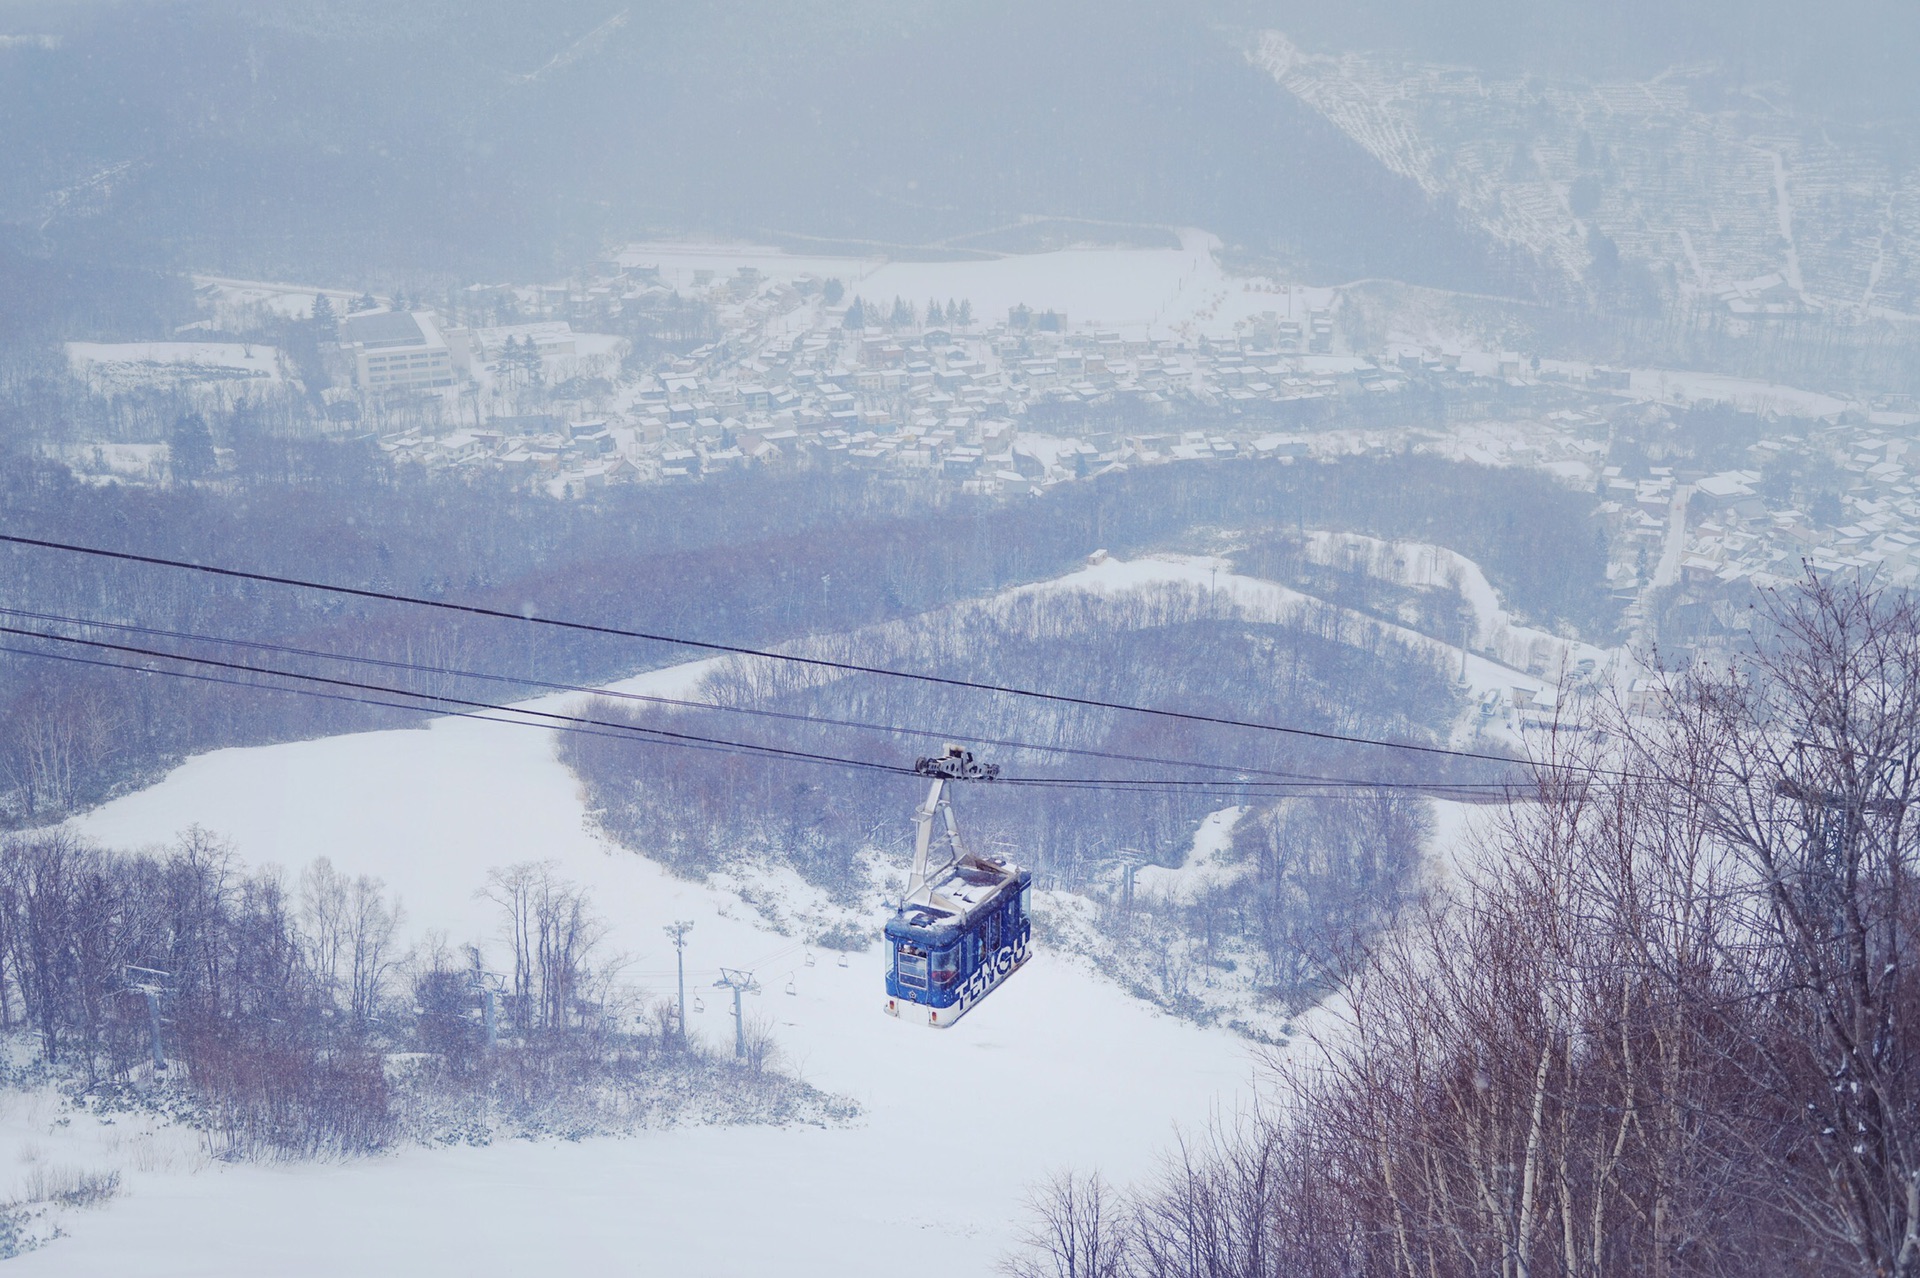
(1304, 790)
(741, 650)
(655, 699)
(551, 717)
(428, 710)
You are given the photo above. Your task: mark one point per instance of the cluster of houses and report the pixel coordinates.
(1023, 403)
(1705, 532)
(1030, 401)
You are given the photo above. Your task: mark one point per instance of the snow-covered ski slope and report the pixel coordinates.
(1057, 1069)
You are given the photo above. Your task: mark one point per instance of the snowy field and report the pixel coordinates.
(232, 300)
(111, 365)
(1670, 386)
(1057, 1069)
(1409, 563)
(1159, 293)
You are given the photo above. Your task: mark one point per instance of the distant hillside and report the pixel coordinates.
(490, 139)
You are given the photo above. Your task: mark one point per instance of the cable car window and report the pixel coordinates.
(943, 966)
(1026, 900)
(911, 963)
(993, 932)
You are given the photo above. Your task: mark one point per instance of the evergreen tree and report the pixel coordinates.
(936, 317)
(190, 448)
(833, 292)
(856, 314)
(902, 313)
(322, 311)
(366, 303)
(966, 312)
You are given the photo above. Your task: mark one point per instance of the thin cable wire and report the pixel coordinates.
(431, 704)
(655, 699)
(706, 645)
(437, 698)
(432, 711)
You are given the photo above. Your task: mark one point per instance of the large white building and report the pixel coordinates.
(397, 350)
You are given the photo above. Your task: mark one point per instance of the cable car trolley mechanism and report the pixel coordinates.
(962, 927)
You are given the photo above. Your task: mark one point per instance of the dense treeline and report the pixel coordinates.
(292, 1023)
(1667, 1022)
(749, 559)
(1361, 582)
(1290, 875)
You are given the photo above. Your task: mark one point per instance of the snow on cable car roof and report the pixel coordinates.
(961, 888)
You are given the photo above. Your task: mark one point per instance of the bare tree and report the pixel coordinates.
(551, 931)
(1805, 755)
(1078, 1229)
(324, 918)
(371, 958)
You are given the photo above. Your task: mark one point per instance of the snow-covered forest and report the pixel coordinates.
(1082, 641)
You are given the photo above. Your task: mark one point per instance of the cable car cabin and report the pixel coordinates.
(963, 926)
(954, 941)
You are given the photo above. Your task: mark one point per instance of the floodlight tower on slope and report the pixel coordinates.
(488, 985)
(678, 931)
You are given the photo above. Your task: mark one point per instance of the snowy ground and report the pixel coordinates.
(1058, 1068)
(1258, 599)
(1670, 386)
(1161, 293)
(111, 365)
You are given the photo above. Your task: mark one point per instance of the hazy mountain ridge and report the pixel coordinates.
(346, 137)
(1688, 182)
(502, 139)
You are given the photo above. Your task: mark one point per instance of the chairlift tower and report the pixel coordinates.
(739, 982)
(1835, 820)
(151, 983)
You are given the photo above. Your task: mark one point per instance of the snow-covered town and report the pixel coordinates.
(1165, 640)
(799, 371)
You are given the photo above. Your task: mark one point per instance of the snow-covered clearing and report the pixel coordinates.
(1058, 1068)
(1204, 863)
(233, 301)
(113, 365)
(1670, 386)
(146, 462)
(1260, 600)
(1426, 566)
(1161, 293)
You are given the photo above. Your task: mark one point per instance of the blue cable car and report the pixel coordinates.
(963, 927)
